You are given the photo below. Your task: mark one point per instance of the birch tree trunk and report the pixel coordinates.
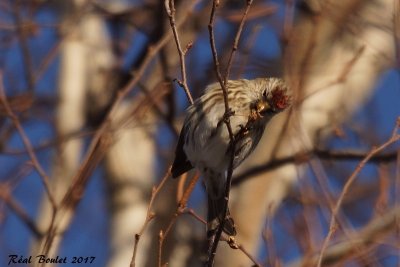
(70, 117)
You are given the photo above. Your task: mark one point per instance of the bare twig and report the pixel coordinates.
(27, 143)
(251, 39)
(231, 241)
(170, 8)
(179, 211)
(245, 252)
(228, 112)
(270, 242)
(150, 215)
(47, 60)
(26, 54)
(215, 239)
(288, 20)
(302, 157)
(18, 210)
(157, 106)
(97, 145)
(236, 42)
(365, 237)
(396, 31)
(185, 197)
(332, 226)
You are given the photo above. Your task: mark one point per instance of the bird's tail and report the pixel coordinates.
(216, 215)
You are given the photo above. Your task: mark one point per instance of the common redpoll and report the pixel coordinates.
(204, 140)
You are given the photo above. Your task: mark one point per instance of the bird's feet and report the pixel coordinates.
(228, 115)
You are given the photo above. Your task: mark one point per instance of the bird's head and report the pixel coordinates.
(275, 98)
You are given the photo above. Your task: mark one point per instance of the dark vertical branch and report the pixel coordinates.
(214, 241)
(228, 112)
(26, 55)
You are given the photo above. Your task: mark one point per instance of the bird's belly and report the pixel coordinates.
(212, 155)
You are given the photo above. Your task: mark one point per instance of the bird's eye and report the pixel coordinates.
(265, 94)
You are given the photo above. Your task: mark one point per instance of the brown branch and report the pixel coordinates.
(245, 252)
(228, 112)
(151, 100)
(170, 8)
(229, 240)
(268, 237)
(217, 67)
(150, 215)
(375, 150)
(18, 210)
(236, 41)
(47, 60)
(367, 236)
(181, 186)
(185, 197)
(68, 204)
(27, 143)
(96, 149)
(215, 240)
(302, 157)
(179, 211)
(157, 106)
(396, 31)
(26, 54)
(288, 20)
(245, 54)
(49, 143)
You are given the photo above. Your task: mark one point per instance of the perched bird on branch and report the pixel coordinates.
(205, 143)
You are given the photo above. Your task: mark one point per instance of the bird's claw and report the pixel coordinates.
(228, 114)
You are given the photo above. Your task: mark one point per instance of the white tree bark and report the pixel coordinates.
(333, 63)
(85, 56)
(131, 171)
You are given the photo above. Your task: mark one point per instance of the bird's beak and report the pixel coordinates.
(263, 107)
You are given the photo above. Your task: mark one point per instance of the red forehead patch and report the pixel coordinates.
(280, 99)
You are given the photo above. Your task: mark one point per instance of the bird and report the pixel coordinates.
(205, 143)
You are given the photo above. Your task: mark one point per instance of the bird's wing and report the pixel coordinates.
(181, 163)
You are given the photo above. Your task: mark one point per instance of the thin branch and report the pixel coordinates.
(302, 157)
(288, 20)
(215, 240)
(26, 54)
(150, 215)
(157, 106)
(185, 197)
(90, 160)
(179, 211)
(365, 237)
(47, 60)
(181, 186)
(228, 112)
(332, 226)
(245, 54)
(236, 42)
(27, 143)
(170, 8)
(231, 241)
(268, 237)
(396, 31)
(245, 252)
(18, 210)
